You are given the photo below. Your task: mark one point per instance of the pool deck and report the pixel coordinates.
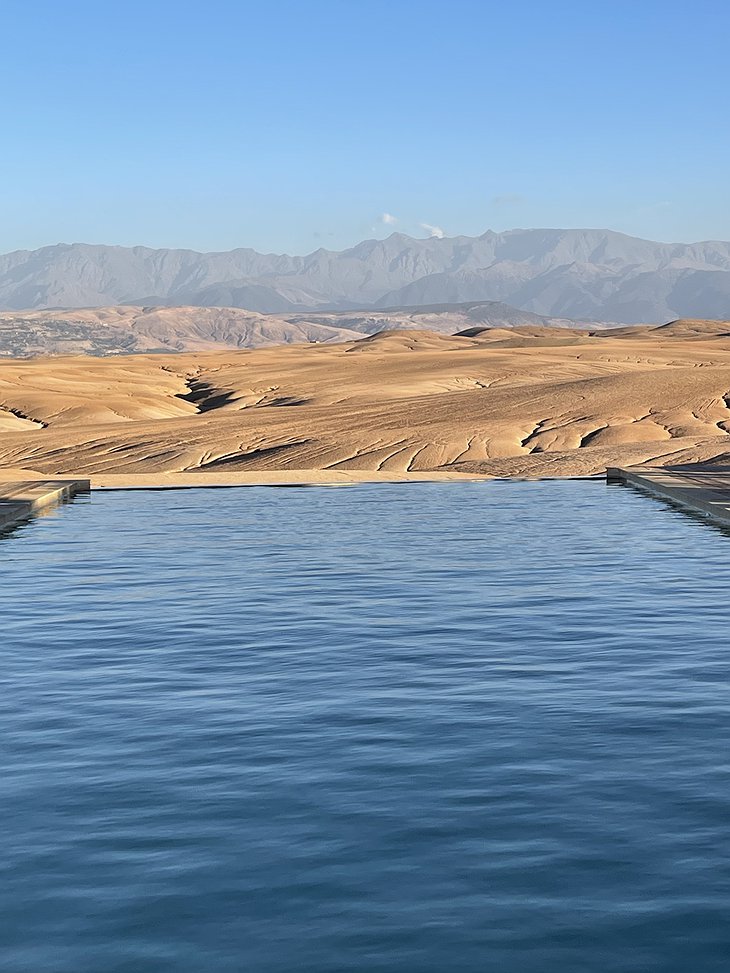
(704, 490)
(22, 499)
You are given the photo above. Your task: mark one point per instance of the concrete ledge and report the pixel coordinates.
(705, 490)
(21, 499)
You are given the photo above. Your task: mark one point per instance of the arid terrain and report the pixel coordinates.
(495, 402)
(124, 330)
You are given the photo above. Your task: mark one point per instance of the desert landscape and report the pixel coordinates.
(492, 402)
(125, 329)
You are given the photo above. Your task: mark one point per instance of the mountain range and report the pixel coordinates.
(587, 275)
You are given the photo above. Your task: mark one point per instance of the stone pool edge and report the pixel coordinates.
(22, 499)
(703, 490)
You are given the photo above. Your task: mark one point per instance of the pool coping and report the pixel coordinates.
(703, 490)
(23, 499)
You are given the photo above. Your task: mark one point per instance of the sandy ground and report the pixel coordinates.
(528, 402)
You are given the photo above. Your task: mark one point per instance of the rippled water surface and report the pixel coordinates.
(431, 727)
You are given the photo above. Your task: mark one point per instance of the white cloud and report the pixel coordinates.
(389, 219)
(433, 231)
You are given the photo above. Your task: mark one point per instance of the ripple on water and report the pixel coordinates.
(454, 726)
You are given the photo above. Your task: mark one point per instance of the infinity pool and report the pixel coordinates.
(387, 729)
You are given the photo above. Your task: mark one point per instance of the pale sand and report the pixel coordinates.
(146, 481)
(400, 405)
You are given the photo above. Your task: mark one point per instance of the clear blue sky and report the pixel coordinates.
(292, 124)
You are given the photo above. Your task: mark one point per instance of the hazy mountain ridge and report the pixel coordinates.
(591, 274)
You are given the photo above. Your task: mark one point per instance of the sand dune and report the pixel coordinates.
(533, 401)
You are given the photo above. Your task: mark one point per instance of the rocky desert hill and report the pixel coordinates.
(596, 275)
(489, 401)
(126, 329)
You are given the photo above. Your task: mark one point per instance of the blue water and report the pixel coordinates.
(468, 727)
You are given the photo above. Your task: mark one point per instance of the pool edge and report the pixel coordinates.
(703, 490)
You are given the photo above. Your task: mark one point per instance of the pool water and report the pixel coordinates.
(408, 728)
